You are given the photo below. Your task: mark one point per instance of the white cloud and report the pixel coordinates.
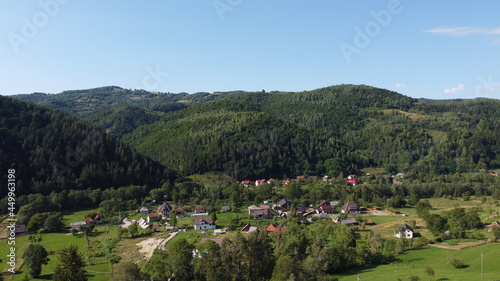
(400, 86)
(464, 31)
(454, 90)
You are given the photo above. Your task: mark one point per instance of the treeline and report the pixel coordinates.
(33, 206)
(52, 152)
(299, 253)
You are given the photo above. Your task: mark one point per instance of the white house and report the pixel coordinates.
(202, 223)
(404, 231)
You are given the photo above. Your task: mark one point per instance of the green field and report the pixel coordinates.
(414, 262)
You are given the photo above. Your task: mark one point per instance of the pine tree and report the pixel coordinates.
(71, 267)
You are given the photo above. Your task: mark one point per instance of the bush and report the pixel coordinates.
(457, 263)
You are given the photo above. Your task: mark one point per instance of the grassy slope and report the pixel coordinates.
(414, 263)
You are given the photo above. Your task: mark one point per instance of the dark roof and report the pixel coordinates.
(260, 213)
(153, 215)
(218, 241)
(349, 221)
(20, 229)
(325, 208)
(198, 220)
(164, 208)
(283, 202)
(200, 207)
(404, 227)
(349, 206)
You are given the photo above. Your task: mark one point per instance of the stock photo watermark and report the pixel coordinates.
(31, 26)
(487, 87)
(223, 6)
(363, 36)
(153, 79)
(11, 220)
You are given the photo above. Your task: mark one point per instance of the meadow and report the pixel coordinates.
(414, 262)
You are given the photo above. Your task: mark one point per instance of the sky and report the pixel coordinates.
(429, 49)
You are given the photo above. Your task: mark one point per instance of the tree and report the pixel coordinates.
(54, 223)
(180, 257)
(213, 216)
(496, 232)
(173, 219)
(128, 271)
(34, 257)
(71, 267)
(133, 229)
(430, 272)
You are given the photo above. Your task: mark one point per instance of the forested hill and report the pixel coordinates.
(52, 151)
(84, 103)
(330, 130)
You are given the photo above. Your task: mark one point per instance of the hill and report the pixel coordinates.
(329, 130)
(52, 151)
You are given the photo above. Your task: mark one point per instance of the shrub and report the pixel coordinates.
(457, 263)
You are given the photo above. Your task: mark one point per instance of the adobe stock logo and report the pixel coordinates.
(362, 37)
(31, 26)
(222, 7)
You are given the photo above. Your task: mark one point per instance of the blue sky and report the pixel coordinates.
(431, 49)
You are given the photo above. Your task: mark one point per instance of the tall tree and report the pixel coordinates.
(34, 257)
(72, 265)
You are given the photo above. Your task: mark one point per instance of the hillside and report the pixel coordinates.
(52, 151)
(330, 130)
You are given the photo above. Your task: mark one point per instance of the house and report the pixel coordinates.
(260, 214)
(283, 204)
(143, 210)
(252, 209)
(246, 183)
(200, 209)
(76, 225)
(90, 220)
(217, 241)
(309, 213)
(20, 229)
(325, 209)
(265, 207)
(352, 181)
(152, 217)
(349, 222)
(272, 181)
(201, 223)
(300, 177)
(404, 231)
(179, 211)
(272, 228)
(248, 228)
(492, 225)
(300, 210)
(351, 208)
(225, 209)
(259, 182)
(164, 209)
(142, 223)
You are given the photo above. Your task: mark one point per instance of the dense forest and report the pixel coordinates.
(52, 151)
(333, 130)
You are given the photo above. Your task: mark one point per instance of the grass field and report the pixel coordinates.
(413, 263)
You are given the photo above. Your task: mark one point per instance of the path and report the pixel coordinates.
(126, 223)
(162, 244)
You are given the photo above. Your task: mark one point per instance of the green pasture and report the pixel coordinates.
(414, 262)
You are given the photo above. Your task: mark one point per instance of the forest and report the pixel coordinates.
(250, 135)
